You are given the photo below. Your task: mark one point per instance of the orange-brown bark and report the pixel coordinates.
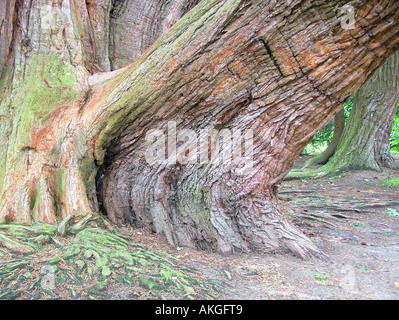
(280, 69)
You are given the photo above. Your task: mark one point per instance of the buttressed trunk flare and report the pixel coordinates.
(278, 69)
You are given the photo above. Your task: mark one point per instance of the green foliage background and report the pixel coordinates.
(323, 137)
(395, 133)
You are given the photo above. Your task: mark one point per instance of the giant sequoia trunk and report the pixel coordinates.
(76, 140)
(364, 143)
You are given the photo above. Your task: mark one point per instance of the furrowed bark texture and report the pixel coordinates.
(365, 141)
(48, 51)
(280, 69)
(146, 21)
(119, 31)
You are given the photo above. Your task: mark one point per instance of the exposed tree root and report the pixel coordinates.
(314, 218)
(14, 245)
(64, 225)
(88, 263)
(378, 205)
(322, 172)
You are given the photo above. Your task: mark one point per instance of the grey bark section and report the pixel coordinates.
(136, 24)
(117, 32)
(365, 140)
(7, 26)
(99, 12)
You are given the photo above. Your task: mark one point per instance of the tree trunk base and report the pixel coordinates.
(189, 210)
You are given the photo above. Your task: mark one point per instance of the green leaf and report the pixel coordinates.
(360, 267)
(393, 212)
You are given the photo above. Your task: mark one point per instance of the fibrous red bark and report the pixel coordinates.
(279, 69)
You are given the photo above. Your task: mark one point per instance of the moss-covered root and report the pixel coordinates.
(153, 272)
(322, 172)
(21, 231)
(64, 225)
(82, 224)
(301, 174)
(4, 253)
(21, 239)
(94, 261)
(67, 226)
(14, 245)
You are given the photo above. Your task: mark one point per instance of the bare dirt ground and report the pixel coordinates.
(353, 218)
(346, 216)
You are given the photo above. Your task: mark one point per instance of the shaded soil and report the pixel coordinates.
(355, 225)
(353, 218)
(352, 225)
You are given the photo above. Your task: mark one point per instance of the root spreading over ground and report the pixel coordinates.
(83, 261)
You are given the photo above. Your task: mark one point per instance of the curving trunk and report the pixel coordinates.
(77, 141)
(364, 143)
(322, 158)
